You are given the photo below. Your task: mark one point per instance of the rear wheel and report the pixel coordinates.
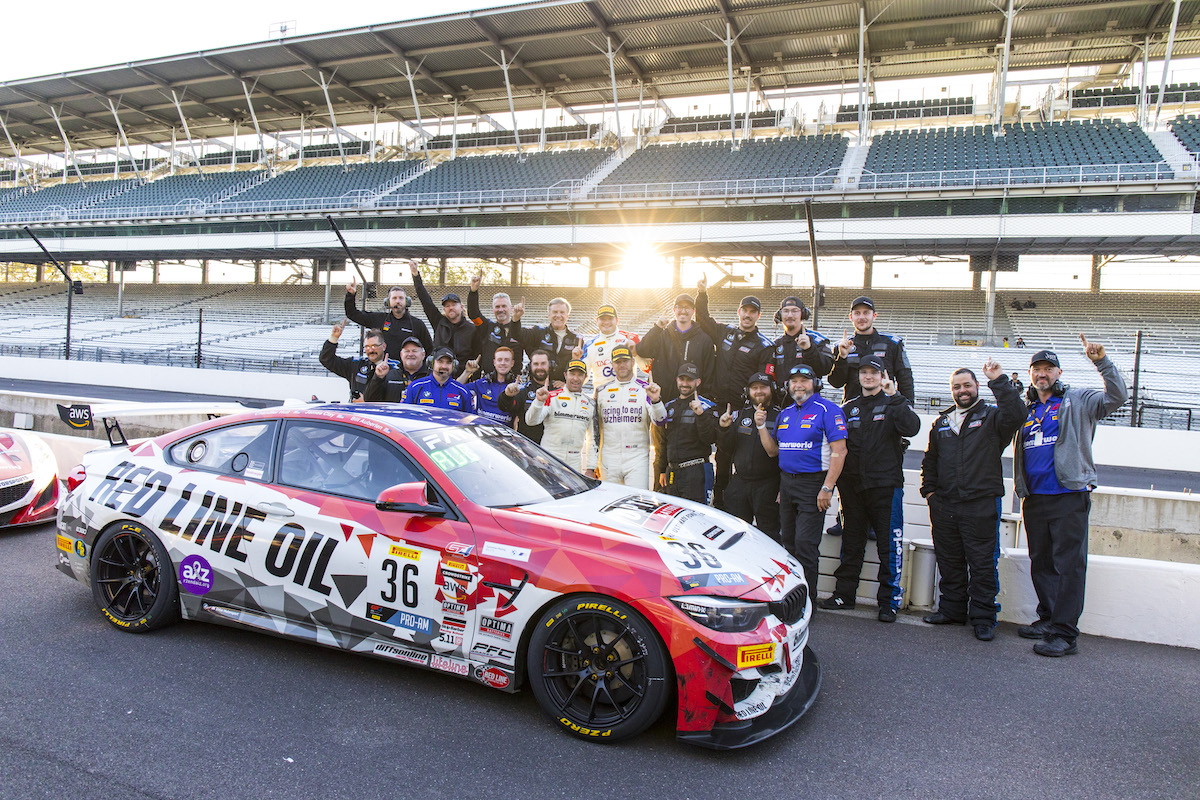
(598, 668)
(133, 580)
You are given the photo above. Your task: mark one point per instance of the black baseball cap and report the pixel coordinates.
(451, 298)
(687, 370)
(752, 301)
(793, 301)
(802, 371)
(685, 298)
(1048, 356)
(863, 300)
(443, 352)
(621, 351)
(871, 362)
(760, 377)
(412, 340)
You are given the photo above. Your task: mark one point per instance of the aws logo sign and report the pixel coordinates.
(77, 416)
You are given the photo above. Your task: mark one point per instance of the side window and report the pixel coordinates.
(244, 451)
(341, 460)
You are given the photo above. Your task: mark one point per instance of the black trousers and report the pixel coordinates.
(965, 543)
(800, 522)
(1057, 528)
(687, 483)
(865, 509)
(755, 500)
(724, 467)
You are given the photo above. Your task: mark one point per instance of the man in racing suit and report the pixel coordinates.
(366, 376)
(568, 417)
(503, 331)
(489, 388)
(596, 351)
(626, 406)
(798, 345)
(439, 389)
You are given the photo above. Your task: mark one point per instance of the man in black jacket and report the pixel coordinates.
(517, 399)
(366, 376)
(753, 490)
(876, 423)
(742, 351)
(556, 339)
(868, 341)
(396, 324)
(685, 439)
(491, 334)
(963, 481)
(798, 345)
(670, 344)
(451, 328)
(412, 366)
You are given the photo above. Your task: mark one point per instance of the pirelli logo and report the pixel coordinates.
(755, 655)
(404, 552)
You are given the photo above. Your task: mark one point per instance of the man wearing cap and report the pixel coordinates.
(626, 407)
(556, 339)
(741, 352)
(503, 331)
(676, 339)
(1054, 474)
(810, 440)
(962, 479)
(439, 389)
(685, 438)
(868, 341)
(451, 328)
(489, 388)
(517, 400)
(753, 490)
(412, 366)
(568, 419)
(876, 423)
(365, 375)
(797, 345)
(596, 351)
(396, 324)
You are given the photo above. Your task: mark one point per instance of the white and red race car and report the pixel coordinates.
(28, 479)
(447, 542)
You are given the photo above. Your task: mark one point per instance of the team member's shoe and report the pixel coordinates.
(887, 614)
(1037, 630)
(836, 603)
(1055, 646)
(938, 618)
(984, 632)
(835, 529)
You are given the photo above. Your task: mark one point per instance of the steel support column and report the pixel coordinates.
(187, 131)
(333, 119)
(262, 147)
(1002, 83)
(864, 119)
(67, 151)
(1162, 86)
(612, 76)
(13, 148)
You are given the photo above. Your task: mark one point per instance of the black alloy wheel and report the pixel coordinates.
(133, 579)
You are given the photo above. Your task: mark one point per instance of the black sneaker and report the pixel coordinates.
(835, 529)
(887, 614)
(1037, 630)
(1055, 646)
(938, 618)
(836, 603)
(985, 633)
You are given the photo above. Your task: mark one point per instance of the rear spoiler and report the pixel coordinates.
(82, 416)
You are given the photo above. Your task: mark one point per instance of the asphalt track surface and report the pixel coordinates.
(906, 710)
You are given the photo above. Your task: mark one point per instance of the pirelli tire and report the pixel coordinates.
(598, 668)
(133, 579)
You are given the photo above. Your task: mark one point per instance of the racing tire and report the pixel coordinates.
(598, 668)
(133, 579)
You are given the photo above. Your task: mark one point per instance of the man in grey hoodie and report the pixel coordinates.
(1054, 474)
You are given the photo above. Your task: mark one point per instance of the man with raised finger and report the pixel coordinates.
(568, 420)
(753, 490)
(626, 408)
(797, 345)
(685, 438)
(396, 324)
(502, 331)
(363, 374)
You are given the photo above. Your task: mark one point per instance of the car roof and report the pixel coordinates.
(403, 416)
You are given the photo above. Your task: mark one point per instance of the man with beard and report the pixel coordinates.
(439, 389)
(962, 480)
(568, 420)
(876, 423)
(625, 408)
(503, 331)
(753, 490)
(798, 345)
(810, 440)
(517, 399)
(412, 366)
(489, 388)
(365, 375)
(596, 351)
(742, 351)
(676, 339)
(1054, 474)
(556, 339)
(451, 329)
(396, 324)
(685, 439)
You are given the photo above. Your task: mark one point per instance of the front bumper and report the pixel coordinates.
(784, 712)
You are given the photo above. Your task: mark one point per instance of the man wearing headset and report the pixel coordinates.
(1054, 474)
(439, 389)
(798, 345)
(396, 324)
(753, 491)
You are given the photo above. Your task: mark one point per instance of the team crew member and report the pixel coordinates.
(365, 375)
(869, 341)
(675, 340)
(490, 387)
(625, 407)
(556, 339)
(742, 351)
(396, 324)
(451, 328)
(503, 331)
(876, 423)
(753, 490)
(962, 480)
(412, 366)
(1054, 473)
(596, 351)
(439, 389)
(685, 439)
(568, 417)
(516, 400)
(810, 440)
(798, 345)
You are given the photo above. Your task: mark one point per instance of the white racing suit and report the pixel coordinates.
(625, 414)
(597, 354)
(570, 431)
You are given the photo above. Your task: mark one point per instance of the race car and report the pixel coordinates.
(448, 542)
(28, 479)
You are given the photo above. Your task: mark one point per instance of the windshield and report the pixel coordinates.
(496, 466)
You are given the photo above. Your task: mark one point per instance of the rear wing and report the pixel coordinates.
(82, 416)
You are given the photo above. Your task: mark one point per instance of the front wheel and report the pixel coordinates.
(598, 668)
(133, 580)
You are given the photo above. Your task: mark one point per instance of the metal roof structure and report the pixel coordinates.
(557, 52)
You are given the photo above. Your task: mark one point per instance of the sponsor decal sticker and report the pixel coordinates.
(497, 628)
(752, 710)
(195, 575)
(497, 550)
(713, 579)
(65, 544)
(80, 548)
(404, 552)
(458, 548)
(451, 665)
(454, 608)
(404, 654)
(755, 655)
(457, 566)
(494, 677)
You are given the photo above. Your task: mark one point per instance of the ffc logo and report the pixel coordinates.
(77, 416)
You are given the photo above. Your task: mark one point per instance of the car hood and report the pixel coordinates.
(705, 550)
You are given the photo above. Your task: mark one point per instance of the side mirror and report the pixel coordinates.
(410, 497)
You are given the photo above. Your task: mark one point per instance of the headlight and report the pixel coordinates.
(723, 613)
